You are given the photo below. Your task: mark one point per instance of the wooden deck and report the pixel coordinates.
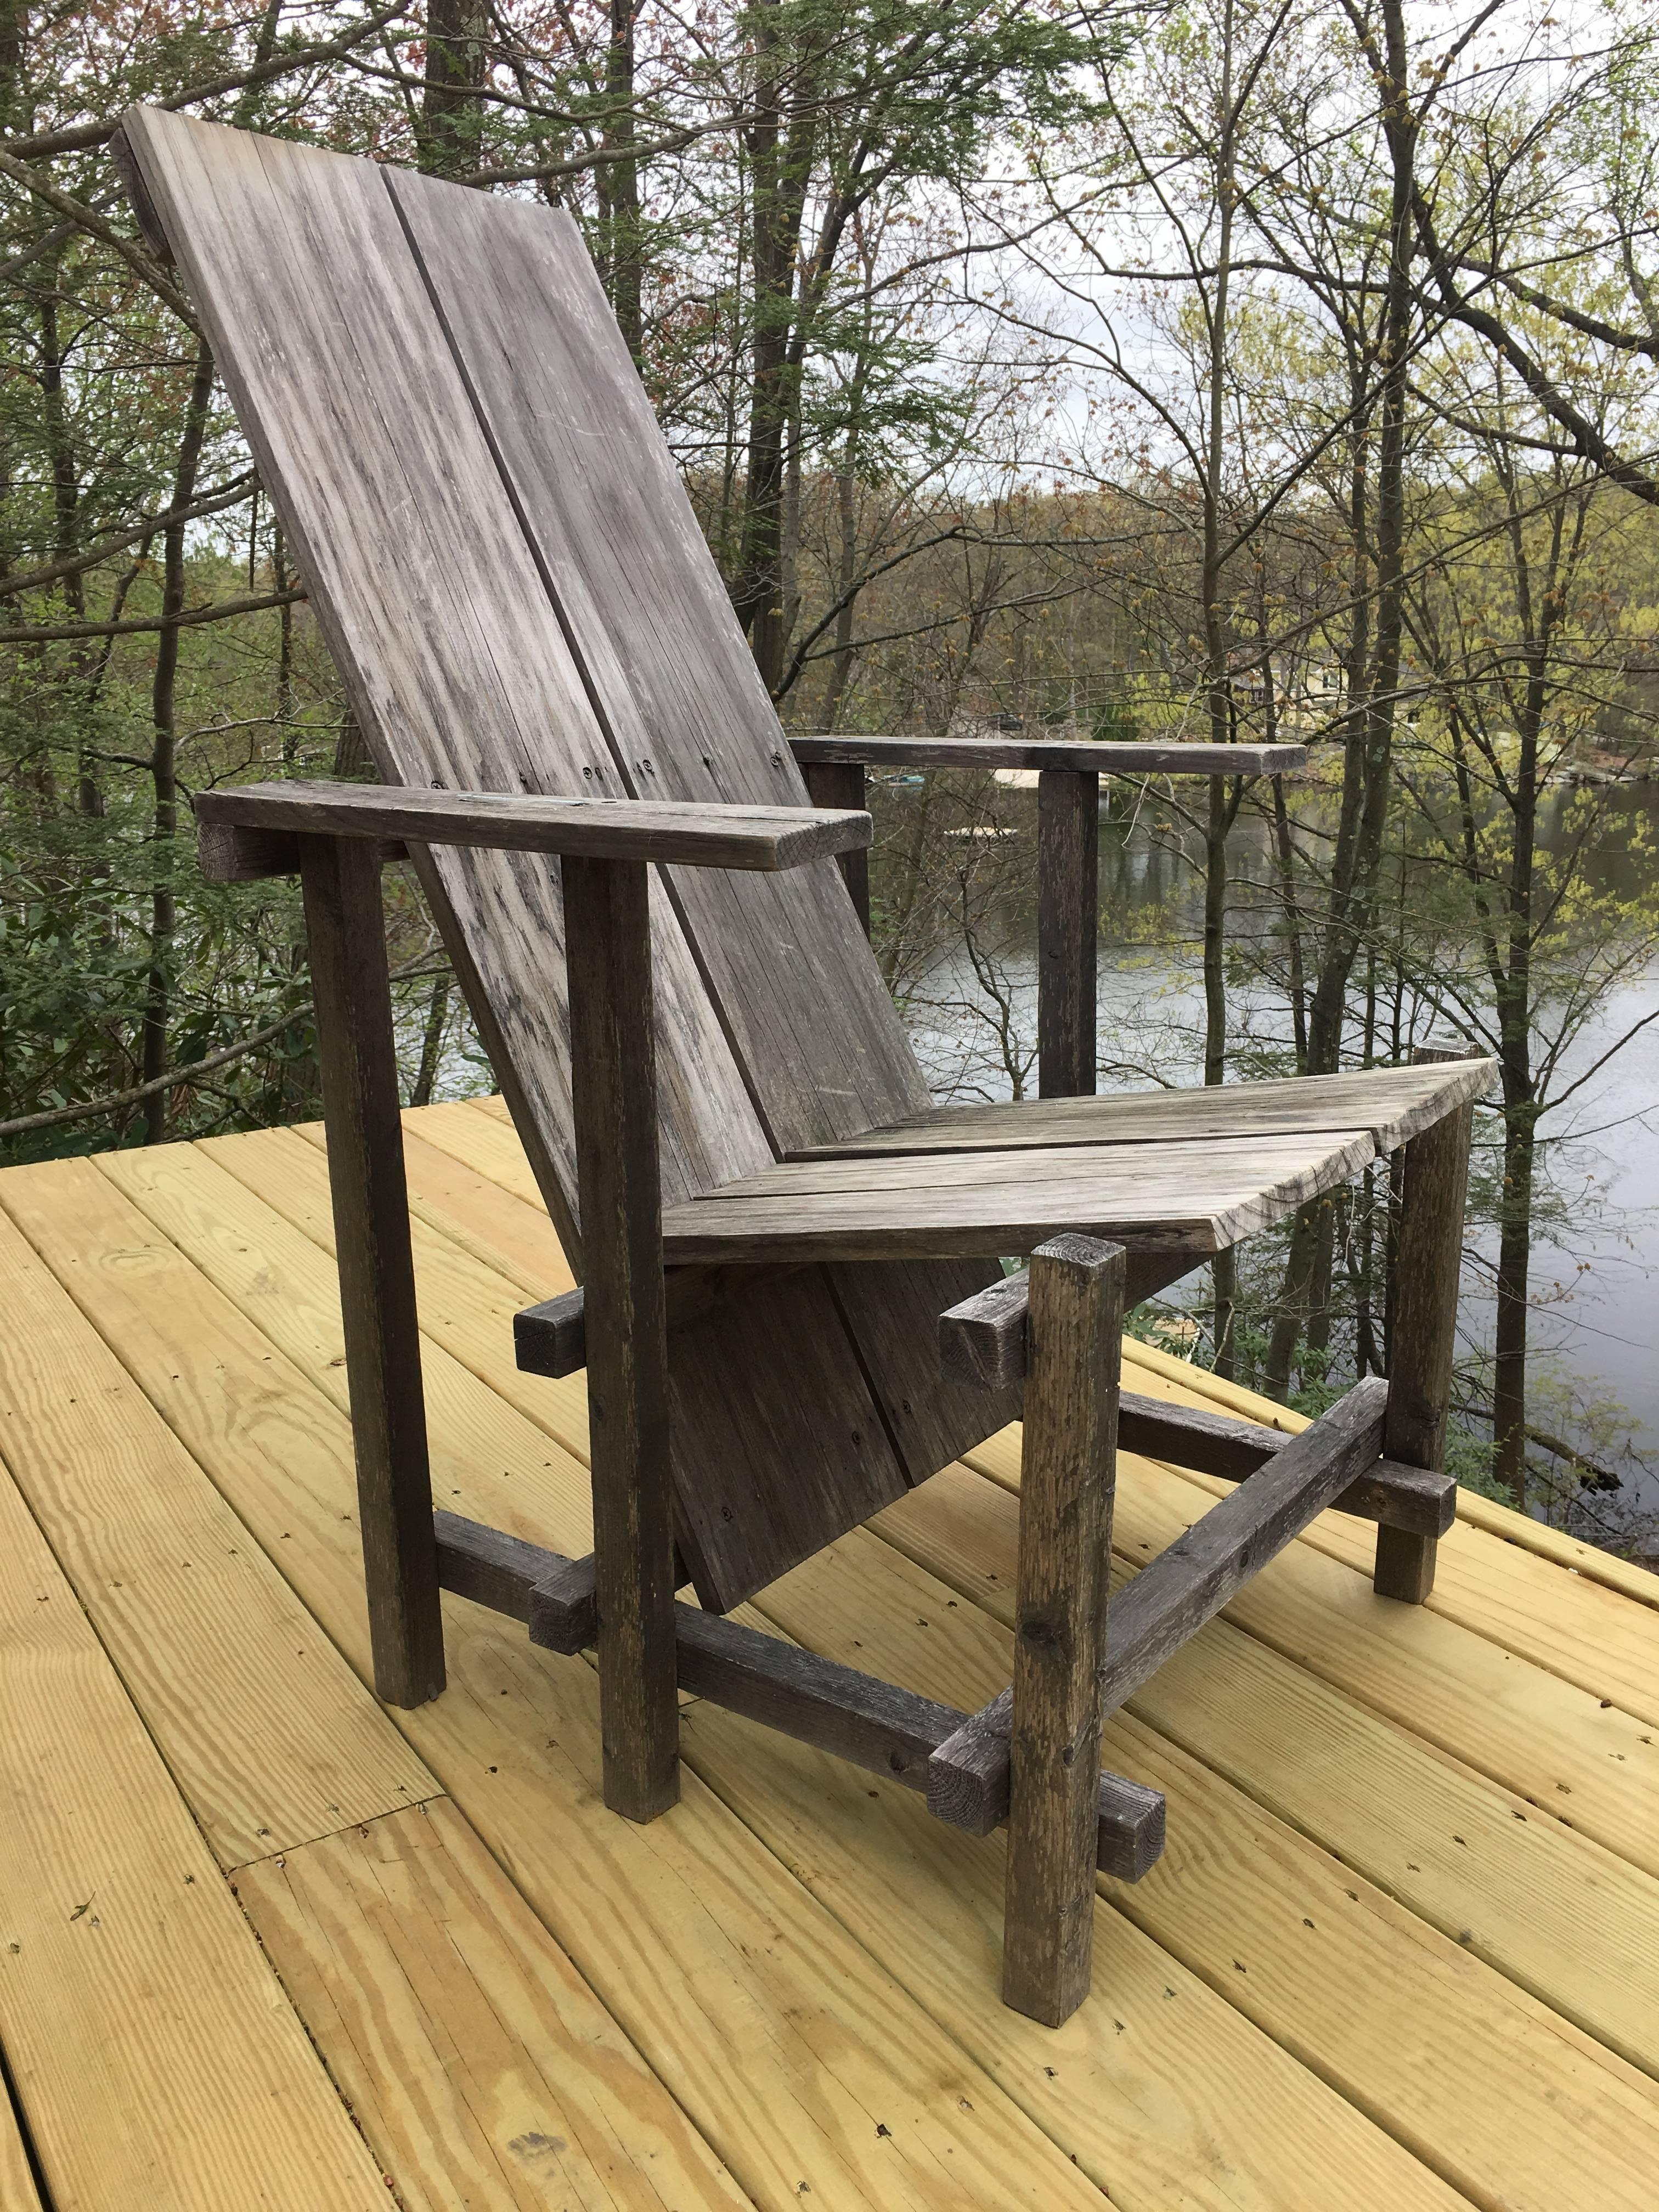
(264, 1943)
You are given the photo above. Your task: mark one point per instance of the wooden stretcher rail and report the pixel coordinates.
(983, 1343)
(767, 838)
(874, 1724)
(1050, 754)
(1186, 1586)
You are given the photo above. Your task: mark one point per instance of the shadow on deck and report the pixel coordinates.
(265, 1942)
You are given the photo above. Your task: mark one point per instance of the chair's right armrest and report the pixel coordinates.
(1106, 758)
(251, 830)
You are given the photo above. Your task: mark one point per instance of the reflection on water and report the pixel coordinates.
(1596, 1286)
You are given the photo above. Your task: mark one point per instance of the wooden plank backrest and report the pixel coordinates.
(509, 576)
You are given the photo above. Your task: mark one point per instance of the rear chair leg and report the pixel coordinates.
(1073, 1352)
(1427, 1257)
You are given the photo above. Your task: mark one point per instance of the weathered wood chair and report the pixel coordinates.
(767, 1217)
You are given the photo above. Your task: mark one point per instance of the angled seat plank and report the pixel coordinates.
(1182, 1201)
(1394, 1103)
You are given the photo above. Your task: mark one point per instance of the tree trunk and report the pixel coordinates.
(163, 763)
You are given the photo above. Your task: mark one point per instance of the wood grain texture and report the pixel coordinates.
(1068, 928)
(1186, 1585)
(1228, 1905)
(17, 2191)
(357, 1054)
(651, 624)
(1428, 1258)
(613, 1070)
(272, 1738)
(111, 1910)
(1547, 1741)
(1392, 1103)
(784, 2053)
(476, 2056)
(554, 1596)
(842, 785)
(1060, 1630)
(708, 835)
(1213, 2096)
(741, 1397)
(1179, 1199)
(1491, 1578)
(1542, 1905)
(1052, 753)
(457, 676)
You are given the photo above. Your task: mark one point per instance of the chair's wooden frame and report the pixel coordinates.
(1029, 1759)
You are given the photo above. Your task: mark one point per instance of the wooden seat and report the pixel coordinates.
(776, 1231)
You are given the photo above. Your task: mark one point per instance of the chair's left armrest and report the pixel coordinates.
(251, 830)
(1088, 758)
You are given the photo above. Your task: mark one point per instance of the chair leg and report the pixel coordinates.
(1074, 1350)
(355, 1047)
(613, 1082)
(1427, 1255)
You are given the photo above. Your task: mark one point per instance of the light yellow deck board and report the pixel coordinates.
(787, 2045)
(1565, 1918)
(155, 2057)
(488, 1461)
(1475, 2076)
(271, 1736)
(1557, 1745)
(17, 2191)
(464, 1305)
(1498, 1572)
(798, 1951)
(479, 2063)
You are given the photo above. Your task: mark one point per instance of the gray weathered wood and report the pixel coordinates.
(1068, 893)
(552, 1338)
(607, 909)
(840, 784)
(358, 1061)
(709, 835)
(1075, 1341)
(1190, 1199)
(437, 612)
(873, 1724)
(1042, 753)
(1427, 1258)
(982, 1342)
(785, 964)
(1186, 1586)
(1392, 1103)
(227, 854)
(554, 1596)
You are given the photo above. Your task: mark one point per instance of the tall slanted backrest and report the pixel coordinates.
(517, 595)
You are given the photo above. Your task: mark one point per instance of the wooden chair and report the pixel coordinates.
(768, 1216)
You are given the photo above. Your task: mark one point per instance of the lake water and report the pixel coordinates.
(1596, 1282)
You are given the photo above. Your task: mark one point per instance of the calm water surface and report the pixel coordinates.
(1596, 1284)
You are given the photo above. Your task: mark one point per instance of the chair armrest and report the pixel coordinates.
(1103, 759)
(249, 830)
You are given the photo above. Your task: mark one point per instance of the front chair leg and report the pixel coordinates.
(1073, 1350)
(1428, 1255)
(613, 1082)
